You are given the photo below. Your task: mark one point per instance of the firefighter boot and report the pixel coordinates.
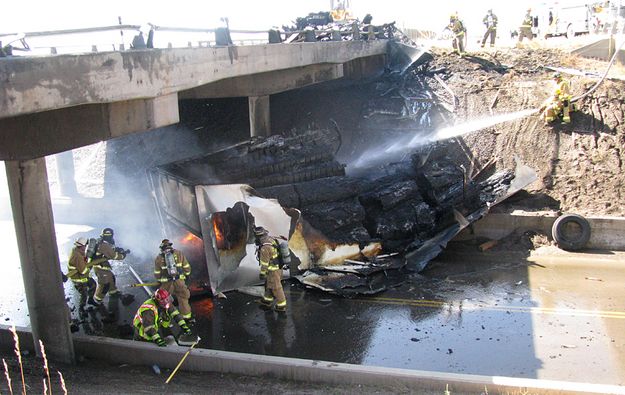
(566, 115)
(281, 307)
(93, 302)
(265, 303)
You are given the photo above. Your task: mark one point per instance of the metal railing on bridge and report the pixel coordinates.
(128, 37)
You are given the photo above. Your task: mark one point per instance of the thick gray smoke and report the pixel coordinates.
(112, 189)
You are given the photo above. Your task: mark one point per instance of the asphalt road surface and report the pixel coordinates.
(548, 315)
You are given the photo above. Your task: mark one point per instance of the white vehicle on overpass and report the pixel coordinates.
(564, 19)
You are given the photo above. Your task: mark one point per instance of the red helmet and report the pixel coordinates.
(163, 298)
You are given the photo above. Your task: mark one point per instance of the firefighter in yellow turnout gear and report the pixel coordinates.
(79, 271)
(490, 21)
(525, 30)
(171, 269)
(457, 28)
(106, 250)
(268, 255)
(155, 316)
(559, 105)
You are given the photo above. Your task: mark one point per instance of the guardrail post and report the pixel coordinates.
(309, 36)
(355, 31)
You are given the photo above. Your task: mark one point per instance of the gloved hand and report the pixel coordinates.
(160, 342)
(185, 329)
(127, 252)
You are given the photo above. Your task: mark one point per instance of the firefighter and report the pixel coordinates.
(525, 30)
(268, 255)
(105, 249)
(490, 21)
(457, 28)
(171, 269)
(558, 105)
(153, 320)
(79, 271)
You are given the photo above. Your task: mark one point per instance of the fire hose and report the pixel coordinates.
(182, 360)
(573, 100)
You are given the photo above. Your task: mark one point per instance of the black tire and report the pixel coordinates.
(570, 32)
(571, 232)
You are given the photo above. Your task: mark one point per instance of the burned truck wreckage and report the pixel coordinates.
(350, 230)
(347, 234)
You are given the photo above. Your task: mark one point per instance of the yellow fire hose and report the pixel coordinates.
(154, 284)
(182, 360)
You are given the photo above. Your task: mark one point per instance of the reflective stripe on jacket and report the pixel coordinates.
(104, 252)
(563, 91)
(182, 267)
(77, 268)
(162, 318)
(528, 21)
(148, 305)
(269, 254)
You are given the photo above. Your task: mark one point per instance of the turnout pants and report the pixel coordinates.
(458, 43)
(180, 290)
(556, 109)
(85, 290)
(106, 284)
(492, 33)
(273, 289)
(525, 32)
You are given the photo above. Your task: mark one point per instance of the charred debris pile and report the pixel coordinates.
(410, 203)
(320, 26)
(411, 208)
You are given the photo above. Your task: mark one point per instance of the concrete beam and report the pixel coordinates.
(35, 84)
(601, 49)
(269, 83)
(39, 257)
(365, 67)
(51, 132)
(260, 119)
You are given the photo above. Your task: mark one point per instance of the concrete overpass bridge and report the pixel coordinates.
(57, 103)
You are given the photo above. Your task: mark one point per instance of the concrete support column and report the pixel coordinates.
(260, 122)
(36, 240)
(65, 170)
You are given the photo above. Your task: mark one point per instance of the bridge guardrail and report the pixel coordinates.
(106, 38)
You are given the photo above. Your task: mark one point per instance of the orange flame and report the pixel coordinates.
(220, 238)
(190, 240)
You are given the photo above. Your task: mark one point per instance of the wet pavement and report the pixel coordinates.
(554, 316)
(551, 315)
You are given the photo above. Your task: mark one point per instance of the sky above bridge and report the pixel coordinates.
(38, 15)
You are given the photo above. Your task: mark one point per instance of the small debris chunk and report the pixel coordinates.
(488, 245)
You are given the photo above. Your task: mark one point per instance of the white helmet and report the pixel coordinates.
(80, 242)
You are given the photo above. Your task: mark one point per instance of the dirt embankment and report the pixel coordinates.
(580, 165)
